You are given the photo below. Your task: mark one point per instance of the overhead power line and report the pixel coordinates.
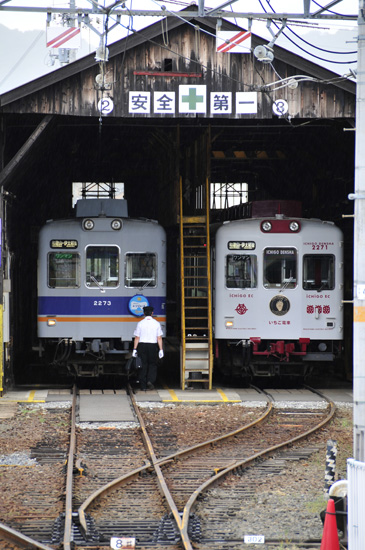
(21, 59)
(311, 45)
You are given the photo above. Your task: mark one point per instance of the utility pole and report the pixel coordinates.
(359, 249)
(356, 466)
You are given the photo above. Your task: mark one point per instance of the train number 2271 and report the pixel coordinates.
(319, 246)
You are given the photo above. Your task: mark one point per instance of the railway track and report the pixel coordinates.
(128, 485)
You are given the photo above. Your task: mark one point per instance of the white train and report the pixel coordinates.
(278, 291)
(96, 272)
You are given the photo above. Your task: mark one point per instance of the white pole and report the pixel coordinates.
(359, 248)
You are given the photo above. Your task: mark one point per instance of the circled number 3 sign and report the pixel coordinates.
(105, 105)
(280, 107)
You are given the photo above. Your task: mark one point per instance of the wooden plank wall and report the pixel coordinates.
(78, 95)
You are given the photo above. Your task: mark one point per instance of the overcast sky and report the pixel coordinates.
(24, 55)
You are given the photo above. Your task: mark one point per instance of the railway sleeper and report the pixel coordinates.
(144, 531)
(77, 532)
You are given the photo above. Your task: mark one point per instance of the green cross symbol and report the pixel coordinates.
(192, 99)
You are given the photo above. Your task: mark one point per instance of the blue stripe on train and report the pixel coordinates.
(82, 305)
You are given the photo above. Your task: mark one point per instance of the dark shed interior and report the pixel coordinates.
(52, 135)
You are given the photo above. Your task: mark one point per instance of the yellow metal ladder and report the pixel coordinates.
(196, 306)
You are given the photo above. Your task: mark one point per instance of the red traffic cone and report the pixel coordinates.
(330, 539)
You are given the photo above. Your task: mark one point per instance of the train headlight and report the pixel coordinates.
(51, 322)
(116, 225)
(228, 323)
(266, 226)
(322, 346)
(294, 226)
(88, 225)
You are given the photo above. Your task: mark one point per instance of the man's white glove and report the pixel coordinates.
(134, 353)
(160, 353)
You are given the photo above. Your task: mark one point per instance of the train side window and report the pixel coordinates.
(102, 266)
(63, 270)
(318, 272)
(241, 271)
(280, 268)
(140, 270)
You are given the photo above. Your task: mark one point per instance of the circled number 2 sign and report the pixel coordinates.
(105, 105)
(280, 107)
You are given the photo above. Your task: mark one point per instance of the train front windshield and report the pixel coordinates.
(140, 270)
(63, 270)
(280, 267)
(318, 272)
(102, 266)
(241, 271)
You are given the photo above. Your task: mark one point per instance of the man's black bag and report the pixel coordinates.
(133, 365)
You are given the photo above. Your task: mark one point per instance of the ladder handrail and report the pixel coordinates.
(200, 223)
(210, 332)
(182, 283)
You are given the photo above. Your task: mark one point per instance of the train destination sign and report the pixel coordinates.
(241, 245)
(280, 251)
(64, 243)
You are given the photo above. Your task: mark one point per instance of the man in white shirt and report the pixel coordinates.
(148, 340)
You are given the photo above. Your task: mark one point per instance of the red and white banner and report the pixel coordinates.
(63, 37)
(233, 42)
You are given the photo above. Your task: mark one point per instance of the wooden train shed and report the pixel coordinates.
(164, 107)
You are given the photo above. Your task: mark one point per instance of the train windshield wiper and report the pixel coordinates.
(97, 283)
(285, 285)
(147, 283)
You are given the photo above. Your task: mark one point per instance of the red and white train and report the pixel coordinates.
(278, 291)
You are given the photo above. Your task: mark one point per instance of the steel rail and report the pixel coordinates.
(211, 442)
(104, 490)
(11, 535)
(15, 537)
(67, 539)
(157, 466)
(158, 463)
(248, 461)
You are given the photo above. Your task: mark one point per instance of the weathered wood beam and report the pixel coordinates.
(16, 161)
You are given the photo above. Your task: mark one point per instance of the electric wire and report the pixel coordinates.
(306, 51)
(318, 47)
(249, 86)
(328, 10)
(214, 36)
(164, 46)
(313, 45)
(181, 56)
(21, 59)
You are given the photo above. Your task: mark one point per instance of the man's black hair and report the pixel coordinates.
(148, 310)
